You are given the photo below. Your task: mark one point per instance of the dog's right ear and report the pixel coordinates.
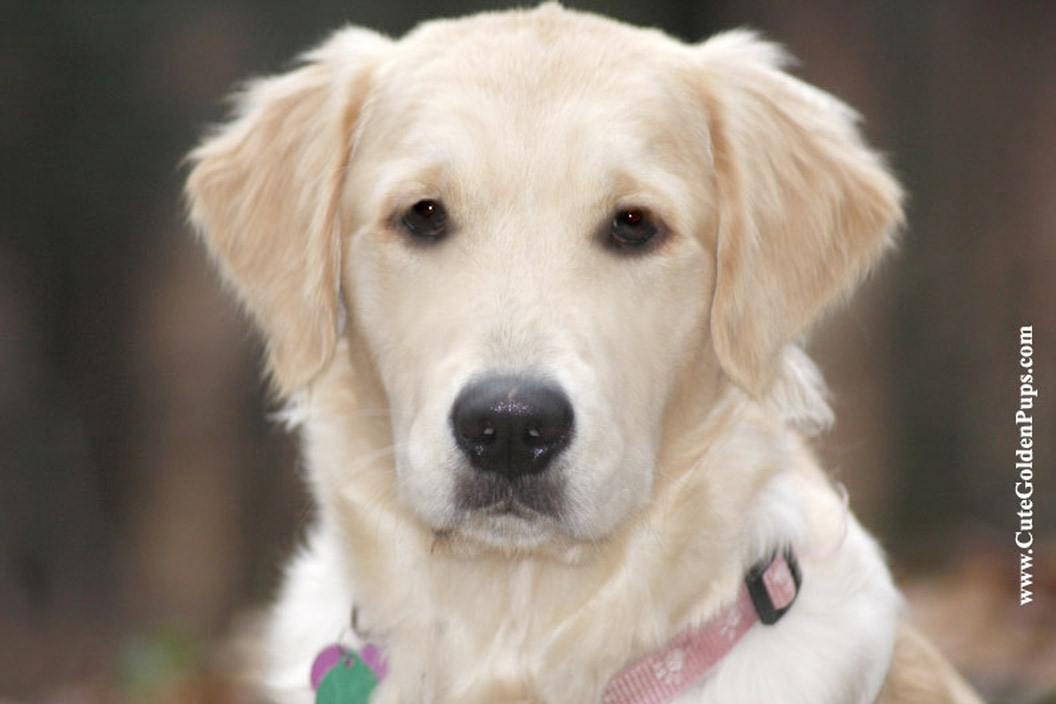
(264, 192)
(805, 207)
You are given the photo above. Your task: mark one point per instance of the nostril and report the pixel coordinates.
(474, 434)
(546, 434)
(475, 427)
(510, 425)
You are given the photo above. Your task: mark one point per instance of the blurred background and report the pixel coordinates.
(145, 499)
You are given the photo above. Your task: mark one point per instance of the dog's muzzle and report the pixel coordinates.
(510, 430)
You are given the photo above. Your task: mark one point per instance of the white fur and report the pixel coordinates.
(691, 395)
(834, 645)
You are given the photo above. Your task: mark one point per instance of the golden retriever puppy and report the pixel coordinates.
(532, 284)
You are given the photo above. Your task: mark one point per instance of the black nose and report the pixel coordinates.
(511, 426)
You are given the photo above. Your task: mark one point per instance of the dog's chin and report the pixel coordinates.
(510, 530)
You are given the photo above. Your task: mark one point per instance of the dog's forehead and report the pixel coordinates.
(546, 82)
(549, 50)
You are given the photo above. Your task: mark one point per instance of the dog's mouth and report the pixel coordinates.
(529, 498)
(509, 514)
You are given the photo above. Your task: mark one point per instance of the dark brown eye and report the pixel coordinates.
(426, 219)
(632, 227)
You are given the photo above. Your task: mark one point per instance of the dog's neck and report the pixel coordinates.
(768, 593)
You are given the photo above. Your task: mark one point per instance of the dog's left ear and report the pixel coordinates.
(805, 208)
(264, 193)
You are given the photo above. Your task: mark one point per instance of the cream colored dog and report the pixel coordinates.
(532, 283)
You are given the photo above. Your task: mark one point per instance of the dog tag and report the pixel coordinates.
(343, 678)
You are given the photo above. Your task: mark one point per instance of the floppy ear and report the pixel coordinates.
(264, 192)
(805, 207)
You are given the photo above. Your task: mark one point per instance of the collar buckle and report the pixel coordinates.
(774, 585)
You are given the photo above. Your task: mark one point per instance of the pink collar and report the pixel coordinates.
(767, 593)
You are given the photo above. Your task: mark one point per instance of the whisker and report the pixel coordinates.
(361, 461)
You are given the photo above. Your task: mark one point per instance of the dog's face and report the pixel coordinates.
(550, 232)
(518, 240)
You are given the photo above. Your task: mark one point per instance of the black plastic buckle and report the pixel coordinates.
(757, 589)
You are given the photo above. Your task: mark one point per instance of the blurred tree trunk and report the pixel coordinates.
(978, 265)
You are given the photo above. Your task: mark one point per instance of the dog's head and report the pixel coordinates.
(556, 238)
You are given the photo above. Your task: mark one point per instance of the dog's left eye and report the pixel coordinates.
(631, 228)
(426, 219)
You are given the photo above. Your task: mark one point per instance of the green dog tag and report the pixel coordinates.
(348, 682)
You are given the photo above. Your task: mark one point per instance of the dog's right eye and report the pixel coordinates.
(632, 228)
(425, 220)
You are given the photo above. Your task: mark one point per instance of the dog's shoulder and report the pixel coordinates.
(919, 674)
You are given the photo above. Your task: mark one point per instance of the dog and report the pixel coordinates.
(534, 286)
